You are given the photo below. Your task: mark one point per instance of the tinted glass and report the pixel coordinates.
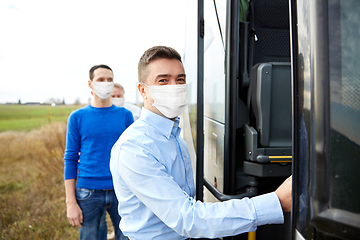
(344, 42)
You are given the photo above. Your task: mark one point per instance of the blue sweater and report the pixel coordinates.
(92, 132)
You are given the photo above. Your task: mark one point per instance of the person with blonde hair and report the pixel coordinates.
(118, 99)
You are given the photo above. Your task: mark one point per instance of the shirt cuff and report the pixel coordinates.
(268, 209)
(70, 172)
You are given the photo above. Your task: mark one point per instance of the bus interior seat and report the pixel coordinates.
(271, 103)
(269, 31)
(265, 59)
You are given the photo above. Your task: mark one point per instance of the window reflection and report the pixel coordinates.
(344, 42)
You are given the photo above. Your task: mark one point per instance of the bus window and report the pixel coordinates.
(344, 52)
(327, 131)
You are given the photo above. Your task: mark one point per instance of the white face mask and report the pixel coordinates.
(103, 89)
(170, 100)
(118, 101)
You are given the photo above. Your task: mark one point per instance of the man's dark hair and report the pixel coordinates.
(91, 71)
(154, 53)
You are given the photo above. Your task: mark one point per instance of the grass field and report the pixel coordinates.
(28, 117)
(32, 196)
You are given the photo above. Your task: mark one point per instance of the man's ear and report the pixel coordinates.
(89, 84)
(141, 88)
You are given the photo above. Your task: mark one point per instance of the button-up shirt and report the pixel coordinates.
(153, 181)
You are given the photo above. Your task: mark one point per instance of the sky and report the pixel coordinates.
(47, 47)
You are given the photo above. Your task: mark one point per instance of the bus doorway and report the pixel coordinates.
(244, 146)
(277, 94)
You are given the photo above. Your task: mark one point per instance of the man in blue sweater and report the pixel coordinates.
(92, 131)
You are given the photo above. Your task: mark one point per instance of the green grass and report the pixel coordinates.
(28, 117)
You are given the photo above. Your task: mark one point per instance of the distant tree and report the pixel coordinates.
(19, 102)
(63, 101)
(77, 101)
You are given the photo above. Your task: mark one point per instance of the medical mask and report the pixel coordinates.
(118, 101)
(103, 89)
(170, 100)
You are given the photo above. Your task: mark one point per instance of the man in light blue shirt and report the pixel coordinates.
(152, 172)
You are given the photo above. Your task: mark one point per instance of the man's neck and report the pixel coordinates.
(153, 109)
(101, 103)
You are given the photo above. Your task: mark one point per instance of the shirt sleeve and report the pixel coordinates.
(72, 149)
(149, 180)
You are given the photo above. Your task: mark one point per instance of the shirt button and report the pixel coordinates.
(167, 134)
(189, 179)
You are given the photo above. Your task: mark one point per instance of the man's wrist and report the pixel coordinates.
(71, 202)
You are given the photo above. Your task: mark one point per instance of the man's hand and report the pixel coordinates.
(74, 214)
(284, 194)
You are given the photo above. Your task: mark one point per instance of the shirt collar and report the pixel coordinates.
(166, 126)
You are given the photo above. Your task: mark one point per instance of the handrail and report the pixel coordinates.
(224, 197)
(266, 159)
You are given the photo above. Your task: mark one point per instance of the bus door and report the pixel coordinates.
(326, 70)
(244, 127)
